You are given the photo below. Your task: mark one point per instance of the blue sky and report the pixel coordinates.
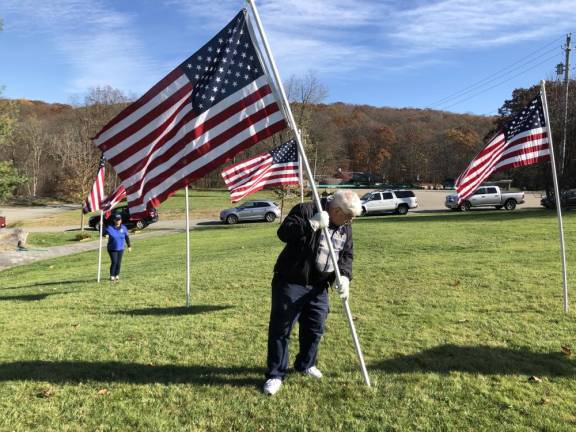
(410, 53)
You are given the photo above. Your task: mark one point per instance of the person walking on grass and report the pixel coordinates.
(302, 274)
(117, 236)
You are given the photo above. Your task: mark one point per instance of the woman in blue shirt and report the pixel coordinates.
(117, 235)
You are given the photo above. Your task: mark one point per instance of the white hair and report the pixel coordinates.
(348, 201)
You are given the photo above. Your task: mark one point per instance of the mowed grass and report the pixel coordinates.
(455, 313)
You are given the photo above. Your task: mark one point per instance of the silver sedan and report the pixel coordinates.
(251, 210)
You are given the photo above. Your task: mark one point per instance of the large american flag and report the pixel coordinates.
(276, 167)
(94, 201)
(215, 104)
(524, 141)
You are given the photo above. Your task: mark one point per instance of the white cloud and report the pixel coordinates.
(99, 44)
(456, 24)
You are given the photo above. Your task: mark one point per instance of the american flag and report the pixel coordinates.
(276, 167)
(114, 198)
(524, 141)
(215, 104)
(94, 201)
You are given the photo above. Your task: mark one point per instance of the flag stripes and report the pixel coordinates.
(524, 141)
(277, 167)
(94, 200)
(215, 104)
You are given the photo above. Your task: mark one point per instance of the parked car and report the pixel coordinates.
(139, 224)
(486, 196)
(388, 201)
(251, 210)
(2, 221)
(567, 199)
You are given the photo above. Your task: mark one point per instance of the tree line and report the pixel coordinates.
(46, 151)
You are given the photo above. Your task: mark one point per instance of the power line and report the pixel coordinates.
(518, 64)
(500, 82)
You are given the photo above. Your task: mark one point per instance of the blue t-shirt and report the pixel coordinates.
(116, 237)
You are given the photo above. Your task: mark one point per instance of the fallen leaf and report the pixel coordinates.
(103, 392)
(46, 392)
(462, 320)
(567, 350)
(544, 401)
(456, 283)
(75, 325)
(535, 379)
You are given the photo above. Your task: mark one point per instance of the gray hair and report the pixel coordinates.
(348, 201)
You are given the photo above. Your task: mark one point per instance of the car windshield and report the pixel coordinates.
(366, 196)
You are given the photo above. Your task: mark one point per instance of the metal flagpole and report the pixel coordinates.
(100, 248)
(556, 193)
(301, 177)
(187, 250)
(292, 122)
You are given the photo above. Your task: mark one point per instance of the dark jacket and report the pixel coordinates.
(296, 263)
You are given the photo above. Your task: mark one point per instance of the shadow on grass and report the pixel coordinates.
(29, 297)
(134, 373)
(42, 284)
(178, 310)
(471, 216)
(481, 359)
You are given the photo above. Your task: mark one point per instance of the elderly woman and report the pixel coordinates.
(302, 274)
(117, 235)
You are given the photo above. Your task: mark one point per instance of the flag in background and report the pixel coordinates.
(114, 198)
(94, 200)
(524, 141)
(215, 104)
(276, 167)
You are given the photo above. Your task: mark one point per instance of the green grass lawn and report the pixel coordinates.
(47, 239)
(455, 313)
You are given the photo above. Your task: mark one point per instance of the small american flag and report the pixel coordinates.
(94, 201)
(215, 104)
(276, 167)
(118, 195)
(524, 141)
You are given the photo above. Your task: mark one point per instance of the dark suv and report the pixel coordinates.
(567, 199)
(152, 217)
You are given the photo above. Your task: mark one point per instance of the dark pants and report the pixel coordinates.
(290, 303)
(115, 262)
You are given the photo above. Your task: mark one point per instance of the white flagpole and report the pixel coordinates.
(556, 194)
(187, 250)
(100, 248)
(301, 176)
(292, 122)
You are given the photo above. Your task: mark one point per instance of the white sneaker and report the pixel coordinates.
(117, 278)
(112, 278)
(314, 372)
(272, 385)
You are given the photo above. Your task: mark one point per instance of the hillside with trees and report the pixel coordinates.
(46, 148)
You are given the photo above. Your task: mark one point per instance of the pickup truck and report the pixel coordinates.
(388, 201)
(486, 196)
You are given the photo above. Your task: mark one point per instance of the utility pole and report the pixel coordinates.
(567, 49)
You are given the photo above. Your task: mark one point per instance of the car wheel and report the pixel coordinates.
(232, 219)
(498, 207)
(465, 206)
(97, 226)
(140, 225)
(402, 209)
(364, 211)
(510, 205)
(270, 217)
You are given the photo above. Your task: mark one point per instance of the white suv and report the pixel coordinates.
(388, 201)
